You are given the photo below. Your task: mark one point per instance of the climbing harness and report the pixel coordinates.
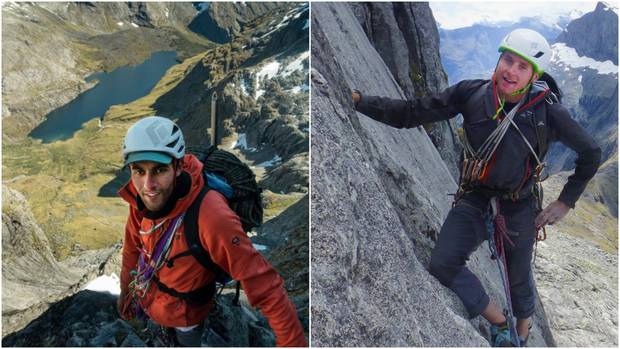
(475, 166)
(498, 233)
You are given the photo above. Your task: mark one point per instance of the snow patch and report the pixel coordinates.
(270, 163)
(167, 13)
(105, 283)
(241, 143)
(306, 24)
(566, 55)
(296, 64)
(579, 78)
(302, 88)
(259, 247)
(268, 70)
(135, 25)
(302, 9)
(610, 7)
(120, 23)
(280, 25)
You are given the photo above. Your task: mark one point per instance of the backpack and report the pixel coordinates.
(225, 173)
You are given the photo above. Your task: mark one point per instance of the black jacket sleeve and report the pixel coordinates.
(408, 114)
(570, 133)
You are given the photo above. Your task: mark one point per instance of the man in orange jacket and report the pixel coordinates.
(164, 183)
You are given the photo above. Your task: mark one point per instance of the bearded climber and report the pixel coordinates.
(171, 287)
(508, 122)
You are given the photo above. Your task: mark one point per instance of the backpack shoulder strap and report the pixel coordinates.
(191, 233)
(540, 120)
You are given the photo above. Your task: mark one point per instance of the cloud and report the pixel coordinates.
(452, 15)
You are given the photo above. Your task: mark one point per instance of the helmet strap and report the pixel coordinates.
(524, 89)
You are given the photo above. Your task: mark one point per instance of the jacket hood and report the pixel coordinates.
(192, 167)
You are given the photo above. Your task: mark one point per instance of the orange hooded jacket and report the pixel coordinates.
(229, 247)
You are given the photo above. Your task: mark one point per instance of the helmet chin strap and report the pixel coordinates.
(524, 89)
(502, 101)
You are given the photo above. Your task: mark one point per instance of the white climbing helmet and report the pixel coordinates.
(529, 45)
(153, 138)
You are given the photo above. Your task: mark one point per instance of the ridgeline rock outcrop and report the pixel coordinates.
(288, 234)
(600, 44)
(406, 37)
(582, 65)
(259, 82)
(32, 278)
(90, 319)
(577, 266)
(221, 22)
(379, 197)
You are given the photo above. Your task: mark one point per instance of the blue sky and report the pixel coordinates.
(452, 15)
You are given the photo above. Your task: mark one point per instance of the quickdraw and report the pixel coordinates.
(475, 163)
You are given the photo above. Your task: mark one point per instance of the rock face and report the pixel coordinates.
(260, 85)
(89, 318)
(406, 37)
(288, 234)
(221, 22)
(31, 276)
(577, 282)
(379, 197)
(604, 186)
(291, 176)
(600, 44)
(577, 266)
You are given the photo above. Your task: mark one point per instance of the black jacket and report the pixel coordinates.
(514, 164)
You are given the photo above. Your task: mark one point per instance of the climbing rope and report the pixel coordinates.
(498, 232)
(147, 268)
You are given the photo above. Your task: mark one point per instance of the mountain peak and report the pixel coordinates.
(605, 6)
(594, 34)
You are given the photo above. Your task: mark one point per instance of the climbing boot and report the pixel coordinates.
(523, 341)
(500, 335)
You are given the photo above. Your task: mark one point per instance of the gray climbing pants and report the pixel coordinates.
(464, 230)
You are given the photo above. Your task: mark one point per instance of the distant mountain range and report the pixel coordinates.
(471, 52)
